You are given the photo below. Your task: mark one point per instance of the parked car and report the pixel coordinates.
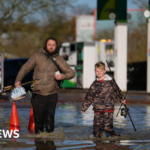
(11, 69)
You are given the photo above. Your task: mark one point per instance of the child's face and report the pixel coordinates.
(100, 72)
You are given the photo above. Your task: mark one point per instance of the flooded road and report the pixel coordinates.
(73, 130)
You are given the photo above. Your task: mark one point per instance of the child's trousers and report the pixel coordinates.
(103, 122)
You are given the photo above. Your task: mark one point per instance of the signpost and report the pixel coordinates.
(121, 44)
(117, 9)
(85, 28)
(1, 73)
(147, 15)
(105, 8)
(121, 11)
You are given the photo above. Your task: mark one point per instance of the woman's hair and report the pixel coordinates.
(100, 65)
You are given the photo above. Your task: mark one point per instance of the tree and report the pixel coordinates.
(30, 38)
(20, 11)
(81, 10)
(22, 22)
(137, 40)
(105, 34)
(140, 3)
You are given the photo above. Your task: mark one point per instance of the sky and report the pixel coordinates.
(93, 3)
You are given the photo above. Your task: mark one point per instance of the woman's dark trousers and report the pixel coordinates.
(44, 111)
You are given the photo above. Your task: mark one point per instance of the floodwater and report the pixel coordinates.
(73, 130)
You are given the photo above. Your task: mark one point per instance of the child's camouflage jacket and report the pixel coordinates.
(102, 95)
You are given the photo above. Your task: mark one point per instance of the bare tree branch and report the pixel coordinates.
(17, 10)
(140, 3)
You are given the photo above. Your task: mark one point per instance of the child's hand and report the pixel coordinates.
(83, 112)
(123, 101)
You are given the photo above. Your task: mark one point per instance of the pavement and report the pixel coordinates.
(132, 96)
(65, 90)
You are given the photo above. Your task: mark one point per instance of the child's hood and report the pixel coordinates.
(107, 78)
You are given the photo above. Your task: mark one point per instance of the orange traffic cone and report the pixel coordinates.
(14, 121)
(31, 120)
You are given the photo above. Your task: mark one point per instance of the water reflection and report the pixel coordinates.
(44, 144)
(108, 146)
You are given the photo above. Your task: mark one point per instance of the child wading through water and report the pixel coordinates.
(102, 93)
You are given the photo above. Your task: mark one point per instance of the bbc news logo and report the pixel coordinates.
(9, 134)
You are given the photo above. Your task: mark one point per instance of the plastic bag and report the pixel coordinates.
(18, 92)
